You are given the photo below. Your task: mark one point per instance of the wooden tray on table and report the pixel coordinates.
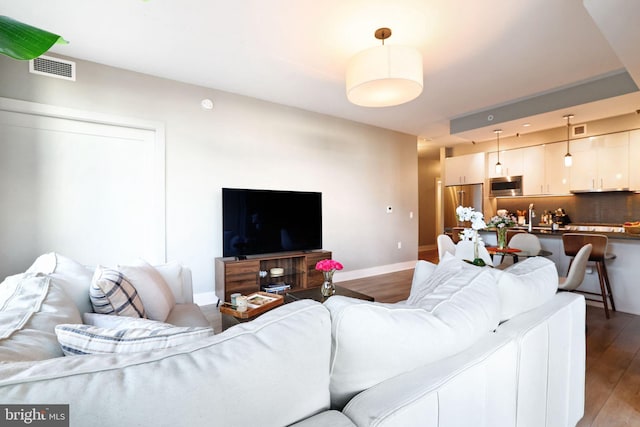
(258, 303)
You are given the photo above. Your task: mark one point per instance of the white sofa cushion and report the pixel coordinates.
(526, 285)
(456, 306)
(156, 296)
(130, 336)
(30, 307)
(111, 293)
(272, 371)
(73, 277)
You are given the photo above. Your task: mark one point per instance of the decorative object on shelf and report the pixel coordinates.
(476, 219)
(384, 76)
(22, 41)
(328, 267)
(568, 160)
(498, 164)
(501, 223)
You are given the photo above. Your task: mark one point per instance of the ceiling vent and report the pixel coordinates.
(53, 67)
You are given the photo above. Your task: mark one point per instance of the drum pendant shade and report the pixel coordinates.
(384, 76)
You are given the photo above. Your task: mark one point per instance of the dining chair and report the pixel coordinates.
(573, 242)
(510, 233)
(575, 275)
(445, 244)
(525, 242)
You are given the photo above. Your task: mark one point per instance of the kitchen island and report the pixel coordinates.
(623, 269)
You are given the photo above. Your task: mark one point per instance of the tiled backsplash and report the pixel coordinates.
(592, 208)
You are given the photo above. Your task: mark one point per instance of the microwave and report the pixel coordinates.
(505, 186)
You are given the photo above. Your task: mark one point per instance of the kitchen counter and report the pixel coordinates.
(622, 269)
(546, 231)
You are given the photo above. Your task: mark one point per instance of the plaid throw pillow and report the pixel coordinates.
(111, 293)
(142, 335)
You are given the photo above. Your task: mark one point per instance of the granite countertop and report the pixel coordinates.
(547, 231)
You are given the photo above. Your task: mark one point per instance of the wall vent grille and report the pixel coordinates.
(53, 67)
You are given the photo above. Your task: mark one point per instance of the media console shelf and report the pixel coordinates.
(243, 276)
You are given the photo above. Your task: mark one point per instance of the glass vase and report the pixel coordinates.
(328, 288)
(502, 238)
(476, 255)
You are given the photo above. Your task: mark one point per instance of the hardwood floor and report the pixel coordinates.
(613, 352)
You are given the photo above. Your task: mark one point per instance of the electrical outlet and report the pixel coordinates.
(399, 245)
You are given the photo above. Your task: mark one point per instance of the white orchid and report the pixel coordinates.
(469, 214)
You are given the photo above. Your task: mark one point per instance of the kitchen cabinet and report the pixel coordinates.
(634, 154)
(512, 163)
(600, 163)
(541, 166)
(556, 174)
(467, 169)
(533, 170)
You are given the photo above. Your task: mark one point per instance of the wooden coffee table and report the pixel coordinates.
(316, 295)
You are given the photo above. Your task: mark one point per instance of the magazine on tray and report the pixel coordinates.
(258, 300)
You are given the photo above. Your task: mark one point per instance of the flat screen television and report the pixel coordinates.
(270, 221)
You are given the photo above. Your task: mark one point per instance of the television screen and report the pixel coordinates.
(268, 221)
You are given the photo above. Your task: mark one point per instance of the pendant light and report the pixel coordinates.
(568, 160)
(498, 165)
(384, 76)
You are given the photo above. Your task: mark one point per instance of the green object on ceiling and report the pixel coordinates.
(22, 41)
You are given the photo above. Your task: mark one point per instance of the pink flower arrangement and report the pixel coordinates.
(328, 265)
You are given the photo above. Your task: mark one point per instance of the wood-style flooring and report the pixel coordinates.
(613, 352)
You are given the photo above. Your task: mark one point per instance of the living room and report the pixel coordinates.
(241, 142)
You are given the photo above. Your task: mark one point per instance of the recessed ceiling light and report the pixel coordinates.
(526, 125)
(206, 104)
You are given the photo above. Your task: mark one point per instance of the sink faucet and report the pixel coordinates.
(532, 215)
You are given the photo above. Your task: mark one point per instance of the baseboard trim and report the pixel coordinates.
(341, 276)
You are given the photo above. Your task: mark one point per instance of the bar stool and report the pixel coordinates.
(573, 242)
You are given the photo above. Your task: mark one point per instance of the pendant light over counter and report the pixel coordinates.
(384, 76)
(568, 160)
(498, 165)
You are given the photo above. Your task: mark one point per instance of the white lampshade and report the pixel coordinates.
(384, 76)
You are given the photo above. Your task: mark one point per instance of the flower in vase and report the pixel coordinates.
(328, 265)
(502, 221)
(471, 215)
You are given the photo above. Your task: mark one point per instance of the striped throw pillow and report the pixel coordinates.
(111, 293)
(144, 335)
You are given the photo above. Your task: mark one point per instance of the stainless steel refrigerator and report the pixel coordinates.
(460, 195)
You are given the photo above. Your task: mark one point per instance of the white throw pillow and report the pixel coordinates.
(30, 308)
(111, 293)
(70, 275)
(157, 298)
(138, 335)
(172, 274)
(421, 273)
(526, 285)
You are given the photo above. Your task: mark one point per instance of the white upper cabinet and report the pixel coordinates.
(600, 163)
(556, 174)
(511, 161)
(533, 170)
(634, 157)
(467, 169)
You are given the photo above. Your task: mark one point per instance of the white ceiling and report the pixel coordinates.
(477, 54)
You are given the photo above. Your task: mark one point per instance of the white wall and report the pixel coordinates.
(244, 142)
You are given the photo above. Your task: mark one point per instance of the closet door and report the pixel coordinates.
(93, 192)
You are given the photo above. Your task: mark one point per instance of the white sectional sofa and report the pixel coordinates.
(346, 362)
